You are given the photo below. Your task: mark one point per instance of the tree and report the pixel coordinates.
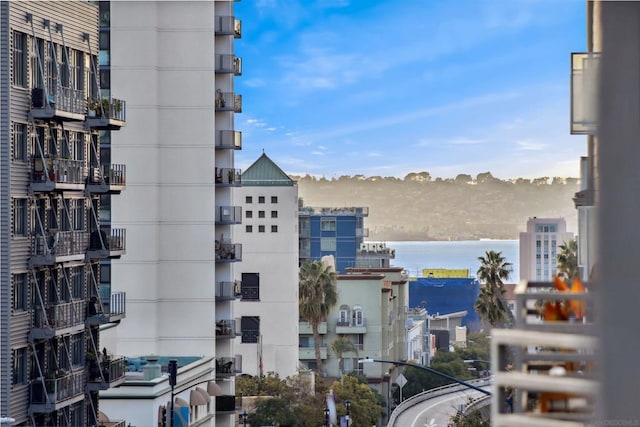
(366, 405)
(487, 307)
(494, 268)
(567, 265)
(272, 411)
(317, 295)
(340, 346)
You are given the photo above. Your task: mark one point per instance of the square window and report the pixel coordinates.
(260, 199)
(274, 199)
(248, 199)
(248, 214)
(260, 214)
(274, 228)
(261, 228)
(328, 224)
(328, 244)
(249, 228)
(274, 214)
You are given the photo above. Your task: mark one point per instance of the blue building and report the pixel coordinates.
(446, 295)
(332, 231)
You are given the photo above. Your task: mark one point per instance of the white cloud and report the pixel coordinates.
(530, 145)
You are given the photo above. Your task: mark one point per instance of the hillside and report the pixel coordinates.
(465, 208)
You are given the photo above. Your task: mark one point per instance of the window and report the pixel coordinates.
(20, 284)
(261, 229)
(274, 228)
(249, 228)
(358, 318)
(260, 214)
(250, 326)
(20, 366)
(274, 214)
(344, 315)
(19, 217)
(77, 347)
(19, 59)
(248, 214)
(328, 224)
(38, 52)
(248, 199)
(77, 281)
(250, 286)
(274, 199)
(260, 199)
(328, 244)
(19, 141)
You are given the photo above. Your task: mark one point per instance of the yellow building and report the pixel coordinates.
(445, 272)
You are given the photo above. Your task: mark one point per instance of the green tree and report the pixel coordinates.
(340, 346)
(567, 265)
(272, 411)
(317, 295)
(493, 269)
(488, 307)
(367, 406)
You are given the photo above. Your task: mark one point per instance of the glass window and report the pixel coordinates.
(20, 366)
(250, 286)
(274, 214)
(249, 228)
(250, 326)
(328, 224)
(260, 199)
(261, 229)
(19, 59)
(248, 199)
(248, 214)
(274, 199)
(105, 13)
(328, 244)
(20, 284)
(358, 318)
(20, 141)
(274, 228)
(20, 217)
(260, 214)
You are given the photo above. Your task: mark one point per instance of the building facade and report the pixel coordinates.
(53, 361)
(268, 307)
(539, 247)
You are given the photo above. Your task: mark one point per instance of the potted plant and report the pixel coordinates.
(92, 107)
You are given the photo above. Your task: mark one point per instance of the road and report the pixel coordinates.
(436, 412)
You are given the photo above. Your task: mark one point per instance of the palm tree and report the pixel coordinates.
(568, 259)
(494, 268)
(487, 307)
(340, 346)
(317, 295)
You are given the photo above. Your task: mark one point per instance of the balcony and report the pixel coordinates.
(228, 252)
(57, 174)
(48, 395)
(58, 319)
(228, 215)
(107, 179)
(228, 64)
(228, 366)
(227, 329)
(106, 374)
(304, 328)
(584, 92)
(228, 26)
(110, 312)
(228, 177)
(58, 246)
(60, 104)
(227, 291)
(351, 327)
(228, 101)
(225, 405)
(108, 243)
(106, 114)
(309, 353)
(228, 139)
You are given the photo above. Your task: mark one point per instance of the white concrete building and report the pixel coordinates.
(268, 309)
(539, 247)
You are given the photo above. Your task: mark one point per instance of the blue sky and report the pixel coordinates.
(388, 87)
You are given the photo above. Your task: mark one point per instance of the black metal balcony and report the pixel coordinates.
(52, 394)
(226, 291)
(52, 174)
(58, 319)
(228, 215)
(106, 114)
(228, 26)
(228, 139)
(109, 311)
(228, 366)
(228, 177)
(110, 179)
(228, 101)
(108, 243)
(104, 374)
(228, 64)
(228, 252)
(227, 329)
(58, 104)
(58, 246)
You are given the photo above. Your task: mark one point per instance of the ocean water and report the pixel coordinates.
(414, 256)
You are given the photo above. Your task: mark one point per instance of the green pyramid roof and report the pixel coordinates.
(264, 172)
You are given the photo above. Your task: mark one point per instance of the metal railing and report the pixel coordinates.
(61, 243)
(226, 328)
(53, 390)
(228, 290)
(228, 252)
(228, 64)
(228, 176)
(227, 366)
(229, 139)
(60, 316)
(61, 98)
(107, 108)
(229, 214)
(64, 171)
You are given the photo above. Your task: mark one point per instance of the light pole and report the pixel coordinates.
(244, 418)
(347, 404)
(424, 368)
(326, 417)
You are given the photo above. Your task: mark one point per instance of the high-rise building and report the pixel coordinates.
(268, 308)
(539, 247)
(55, 175)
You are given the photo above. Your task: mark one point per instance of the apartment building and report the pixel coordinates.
(268, 305)
(539, 247)
(53, 362)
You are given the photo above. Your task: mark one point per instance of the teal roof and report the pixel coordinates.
(264, 172)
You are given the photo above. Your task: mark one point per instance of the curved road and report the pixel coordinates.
(436, 412)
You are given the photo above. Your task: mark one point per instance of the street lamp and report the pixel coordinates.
(244, 418)
(326, 417)
(347, 404)
(424, 368)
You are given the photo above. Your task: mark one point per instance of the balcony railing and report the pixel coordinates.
(228, 252)
(228, 64)
(309, 353)
(228, 366)
(227, 328)
(106, 114)
(59, 246)
(228, 26)
(58, 319)
(112, 310)
(228, 101)
(228, 177)
(61, 103)
(107, 179)
(48, 395)
(304, 327)
(584, 92)
(229, 215)
(107, 243)
(229, 139)
(107, 373)
(63, 174)
(228, 290)
(357, 211)
(351, 326)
